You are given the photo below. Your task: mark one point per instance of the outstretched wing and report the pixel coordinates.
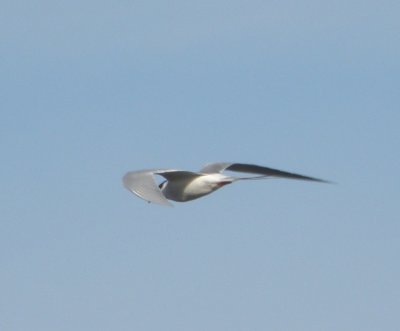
(143, 184)
(254, 169)
(212, 168)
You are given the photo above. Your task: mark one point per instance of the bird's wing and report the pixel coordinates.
(212, 168)
(143, 184)
(172, 175)
(254, 169)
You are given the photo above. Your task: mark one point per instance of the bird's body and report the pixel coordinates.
(185, 190)
(186, 185)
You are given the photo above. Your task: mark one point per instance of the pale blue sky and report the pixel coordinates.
(92, 89)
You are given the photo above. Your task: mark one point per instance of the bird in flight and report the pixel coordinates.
(182, 186)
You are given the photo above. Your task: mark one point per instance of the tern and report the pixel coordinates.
(182, 186)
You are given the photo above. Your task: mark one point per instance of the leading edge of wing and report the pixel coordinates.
(256, 169)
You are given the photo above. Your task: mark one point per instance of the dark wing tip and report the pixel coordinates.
(256, 169)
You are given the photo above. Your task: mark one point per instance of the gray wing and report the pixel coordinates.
(175, 175)
(212, 168)
(254, 169)
(143, 184)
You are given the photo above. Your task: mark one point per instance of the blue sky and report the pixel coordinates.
(90, 90)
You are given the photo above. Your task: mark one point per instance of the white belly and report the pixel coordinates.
(183, 190)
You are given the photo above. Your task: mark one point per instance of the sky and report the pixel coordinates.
(92, 89)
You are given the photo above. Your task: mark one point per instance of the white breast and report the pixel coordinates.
(184, 190)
